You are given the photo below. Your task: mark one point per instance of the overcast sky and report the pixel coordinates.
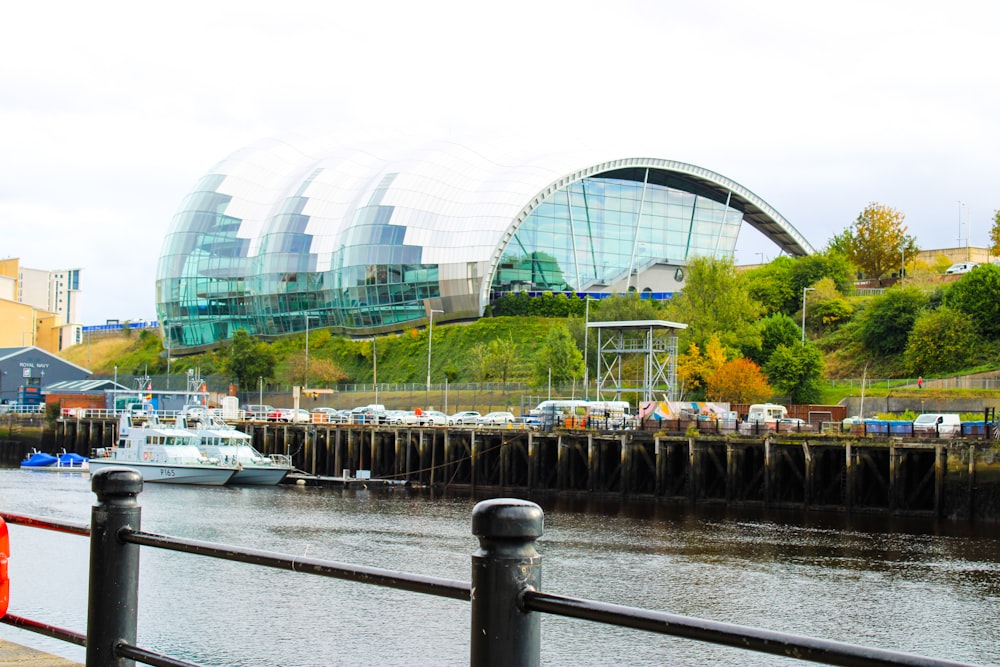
(110, 112)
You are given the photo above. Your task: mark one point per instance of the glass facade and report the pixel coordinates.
(276, 240)
(607, 231)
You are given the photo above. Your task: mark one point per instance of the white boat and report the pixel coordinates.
(161, 453)
(224, 442)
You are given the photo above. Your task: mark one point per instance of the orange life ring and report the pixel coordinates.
(145, 456)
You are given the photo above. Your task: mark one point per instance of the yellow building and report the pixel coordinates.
(23, 325)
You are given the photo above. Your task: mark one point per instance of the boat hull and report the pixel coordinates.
(171, 473)
(259, 476)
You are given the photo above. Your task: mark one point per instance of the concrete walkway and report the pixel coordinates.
(15, 655)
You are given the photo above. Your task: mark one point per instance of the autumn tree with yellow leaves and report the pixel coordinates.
(877, 242)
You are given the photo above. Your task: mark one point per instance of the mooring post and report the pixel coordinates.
(112, 605)
(505, 565)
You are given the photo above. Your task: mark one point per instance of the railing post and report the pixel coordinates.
(114, 567)
(505, 565)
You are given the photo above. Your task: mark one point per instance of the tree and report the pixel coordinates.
(828, 264)
(618, 307)
(886, 323)
(715, 301)
(693, 367)
(877, 241)
(941, 341)
(771, 285)
(560, 356)
(501, 359)
(247, 359)
(778, 329)
(479, 362)
(795, 370)
(977, 295)
(738, 381)
(829, 309)
(995, 234)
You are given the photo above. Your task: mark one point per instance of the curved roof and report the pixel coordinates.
(367, 236)
(447, 195)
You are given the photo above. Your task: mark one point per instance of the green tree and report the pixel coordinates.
(501, 359)
(828, 308)
(479, 362)
(886, 323)
(560, 355)
(247, 359)
(620, 307)
(778, 329)
(876, 241)
(795, 371)
(942, 341)
(771, 285)
(977, 295)
(715, 301)
(828, 264)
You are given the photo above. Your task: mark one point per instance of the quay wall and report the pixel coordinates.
(944, 478)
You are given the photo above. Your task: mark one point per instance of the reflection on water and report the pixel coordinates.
(917, 586)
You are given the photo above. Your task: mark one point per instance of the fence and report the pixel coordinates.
(506, 603)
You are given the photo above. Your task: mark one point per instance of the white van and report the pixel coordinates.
(937, 425)
(766, 412)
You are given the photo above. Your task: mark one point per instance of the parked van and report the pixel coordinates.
(766, 412)
(937, 425)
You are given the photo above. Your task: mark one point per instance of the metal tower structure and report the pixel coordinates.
(654, 341)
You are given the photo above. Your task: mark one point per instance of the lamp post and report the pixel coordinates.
(260, 391)
(804, 290)
(375, 370)
(305, 383)
(430, 338)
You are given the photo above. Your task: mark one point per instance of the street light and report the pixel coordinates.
(804, 290)
(430, 338)
(308, 317)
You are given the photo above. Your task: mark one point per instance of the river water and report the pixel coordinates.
(931, 588)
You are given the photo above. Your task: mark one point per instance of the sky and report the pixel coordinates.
(110, 112)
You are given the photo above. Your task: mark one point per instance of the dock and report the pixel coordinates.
(306, 479)
(15, 655)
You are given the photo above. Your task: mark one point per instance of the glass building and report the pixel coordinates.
(277, 239)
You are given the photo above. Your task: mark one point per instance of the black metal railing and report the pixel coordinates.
(506, 603)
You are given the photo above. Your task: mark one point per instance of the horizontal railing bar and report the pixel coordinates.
(47, 524)
(147, 657)
(448, 588)
(52, 631)
(728, 634)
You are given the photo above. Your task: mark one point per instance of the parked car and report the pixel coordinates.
(397, 417)
(793, 424)
(432, 418)
(289, 415)
(961, 267)
(496, 419)
(464, 418)
(259, 411)
(374, 413)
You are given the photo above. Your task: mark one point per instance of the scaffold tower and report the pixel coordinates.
(637, 357)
